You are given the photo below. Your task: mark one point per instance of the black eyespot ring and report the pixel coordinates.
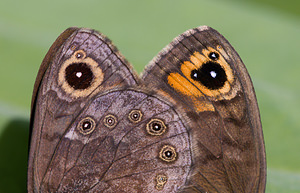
(79, 75)
(168, 153)
(161, 180)
(156, 127)
(211, 75)
(135, 116)
(86, 125)
(213, 56)
(110, 121)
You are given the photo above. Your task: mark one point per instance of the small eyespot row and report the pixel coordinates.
(110, 121)
(86, 125)
(161, 180)
(135, 116)
(156, 127)
(168, 153)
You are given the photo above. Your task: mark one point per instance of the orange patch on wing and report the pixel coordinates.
(196, 61)
(182, 85)
(186, 69)
(195, 90)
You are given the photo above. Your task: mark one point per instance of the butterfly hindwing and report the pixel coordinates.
(203, 73)
(142, 148)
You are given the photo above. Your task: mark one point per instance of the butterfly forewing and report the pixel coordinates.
(203, 73)
(80, 64)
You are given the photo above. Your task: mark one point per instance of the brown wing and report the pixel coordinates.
(205, 76)
(124, 140)
(80, 64)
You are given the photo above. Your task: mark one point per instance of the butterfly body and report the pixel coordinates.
(189, 124)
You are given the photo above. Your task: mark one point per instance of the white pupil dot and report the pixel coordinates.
(213, 55)
(213, 74)
(195, 75)
(78, 74)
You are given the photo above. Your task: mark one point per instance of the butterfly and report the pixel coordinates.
(189, 123)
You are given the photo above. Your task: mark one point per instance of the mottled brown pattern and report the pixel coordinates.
(105, 152)
(215, 147)
(227, 144)
(53, 109)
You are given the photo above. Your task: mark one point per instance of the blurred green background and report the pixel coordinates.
(265, 33)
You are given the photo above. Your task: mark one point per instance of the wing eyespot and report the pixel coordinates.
(110, 121)
(168, 153)
(161, 180)
(80, 75)
(211, 75)
(135, 116)
(156, 127)
(73, 47)
(86, 125)
(80, 54)
(214, 56)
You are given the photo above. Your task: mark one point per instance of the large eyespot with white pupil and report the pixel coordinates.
(211, 75)
(80, 75)
(135, 116)
(156, 127)
(161, 180)
(110, 121)
(86, 125)
(168, 153)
